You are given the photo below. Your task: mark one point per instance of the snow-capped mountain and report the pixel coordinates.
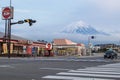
(81, 27)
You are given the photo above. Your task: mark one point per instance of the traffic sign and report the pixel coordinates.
(7, 12)
(48, 46)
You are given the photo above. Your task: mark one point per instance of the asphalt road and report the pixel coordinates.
(47, 68)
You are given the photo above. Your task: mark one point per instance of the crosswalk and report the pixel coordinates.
(102, 72)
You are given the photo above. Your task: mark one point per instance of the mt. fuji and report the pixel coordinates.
(81, 27)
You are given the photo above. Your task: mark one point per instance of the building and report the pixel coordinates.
(21, 46)
(104, 47)
(67, 47)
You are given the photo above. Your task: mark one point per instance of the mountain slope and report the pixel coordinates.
(81, 27)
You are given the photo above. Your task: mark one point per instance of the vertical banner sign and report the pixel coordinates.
(5, 50)
(24, 49)
(29, 50)
(11, 48)
(38, 50)
(7, 13)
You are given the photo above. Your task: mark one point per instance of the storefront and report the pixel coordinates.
(65, 50)
(20, 46)
(66, 47)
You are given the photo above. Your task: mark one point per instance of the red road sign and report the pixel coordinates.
(48, 46)
(7, 13)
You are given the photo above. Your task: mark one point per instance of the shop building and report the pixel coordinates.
(67, 47)
(21, 46)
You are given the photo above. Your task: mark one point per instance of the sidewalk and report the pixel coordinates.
(74, 56)
(57, 57)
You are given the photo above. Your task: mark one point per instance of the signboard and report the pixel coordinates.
(7, 13)
(11, 48)
(5, 49)
(48, 46)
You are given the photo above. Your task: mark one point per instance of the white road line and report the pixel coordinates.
(96, 72)
(100, 70)
(71, 78)
(94, 69)
(90, 75)
(55, 69)
(6, 66)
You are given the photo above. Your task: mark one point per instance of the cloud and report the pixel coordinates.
(107, 5)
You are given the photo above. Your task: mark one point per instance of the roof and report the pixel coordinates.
(80, 44)
(12, 36)
(63, 42)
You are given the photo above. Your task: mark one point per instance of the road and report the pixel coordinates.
(59, 68)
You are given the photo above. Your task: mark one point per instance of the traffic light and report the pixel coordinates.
(92, 37)
(30, 21)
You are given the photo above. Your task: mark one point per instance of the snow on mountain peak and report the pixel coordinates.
(81, 24)
(81, 27)
(77, 24)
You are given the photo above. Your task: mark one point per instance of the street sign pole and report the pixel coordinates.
(9, 37)
(5, 36)
(49, 48)
(9, 30)
(7, 15)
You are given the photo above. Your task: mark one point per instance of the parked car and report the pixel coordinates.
(110, 54)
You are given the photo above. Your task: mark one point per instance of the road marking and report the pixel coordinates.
(55, 69)
(96, 72)
(89, 75)
(101, 69)
(72, 78)
(6, 66)
(103, 72)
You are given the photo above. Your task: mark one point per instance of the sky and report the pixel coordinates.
(54, 15)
